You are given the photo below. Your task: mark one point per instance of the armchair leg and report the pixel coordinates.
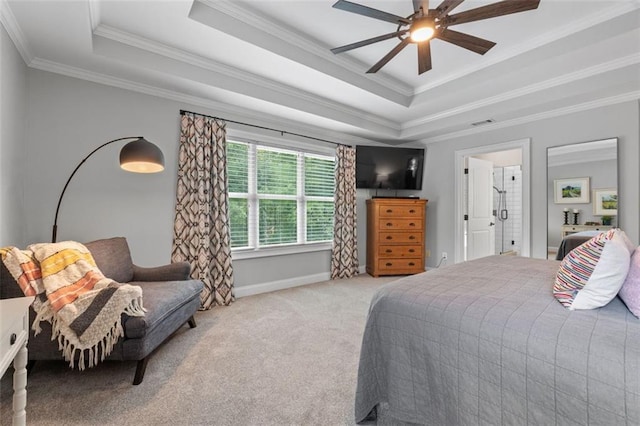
(140, 369)
(192, 322)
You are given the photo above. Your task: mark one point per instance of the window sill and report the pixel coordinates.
(279, 251)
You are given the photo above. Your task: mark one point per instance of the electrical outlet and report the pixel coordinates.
(427, 253)
(444, 255)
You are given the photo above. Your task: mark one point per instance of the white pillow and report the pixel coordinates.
(591, 275)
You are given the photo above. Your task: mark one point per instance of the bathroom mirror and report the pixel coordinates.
(582, 192)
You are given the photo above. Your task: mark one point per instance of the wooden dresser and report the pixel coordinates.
(395, 236)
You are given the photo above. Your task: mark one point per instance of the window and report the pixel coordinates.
(278, 197)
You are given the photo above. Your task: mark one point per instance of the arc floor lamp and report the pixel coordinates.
(138, 156)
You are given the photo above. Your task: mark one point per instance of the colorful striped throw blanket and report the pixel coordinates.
(82, 305)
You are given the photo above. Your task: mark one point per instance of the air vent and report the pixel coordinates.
(483, 122)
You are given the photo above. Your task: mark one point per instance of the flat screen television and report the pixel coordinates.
(389, 167)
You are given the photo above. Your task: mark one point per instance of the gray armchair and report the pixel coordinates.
(169, 295)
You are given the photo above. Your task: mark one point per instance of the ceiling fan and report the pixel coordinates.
(425, 24)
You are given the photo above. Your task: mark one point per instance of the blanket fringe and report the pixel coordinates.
(96, 353)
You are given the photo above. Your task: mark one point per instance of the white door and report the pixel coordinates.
(481, 223)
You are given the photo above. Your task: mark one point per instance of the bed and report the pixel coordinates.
(572, 241)
(485, 342)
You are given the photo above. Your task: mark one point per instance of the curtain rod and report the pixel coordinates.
(282, 132)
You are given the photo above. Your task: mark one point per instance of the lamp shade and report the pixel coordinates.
(141, 156)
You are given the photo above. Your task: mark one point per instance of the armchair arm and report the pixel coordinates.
(178, 271)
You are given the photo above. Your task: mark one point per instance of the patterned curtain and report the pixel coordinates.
(344, 259)
(201, 227)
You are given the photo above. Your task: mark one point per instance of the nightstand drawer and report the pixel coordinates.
(401, 211)
(400, 224)
(400, 237)
(400, 251)
(13, 335)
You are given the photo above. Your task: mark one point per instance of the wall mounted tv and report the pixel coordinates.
(389, 167)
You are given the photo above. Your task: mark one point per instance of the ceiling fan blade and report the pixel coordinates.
(447, 6)
(389, 56)
(424, 57)
(473, 43)
(421, 4)
(505, 7)
(370, 12)
(367, 41)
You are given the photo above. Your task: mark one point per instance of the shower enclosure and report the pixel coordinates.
(507, 208)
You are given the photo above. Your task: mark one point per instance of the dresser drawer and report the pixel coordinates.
(401, 211)
(400, 224)
(400, 251)
(400, 237)
(399, 264)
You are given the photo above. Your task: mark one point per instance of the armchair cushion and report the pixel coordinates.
(161, 300)
(113, 258)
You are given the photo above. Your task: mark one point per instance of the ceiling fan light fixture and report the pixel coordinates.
(422, 30)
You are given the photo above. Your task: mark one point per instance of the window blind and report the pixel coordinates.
(278, 196)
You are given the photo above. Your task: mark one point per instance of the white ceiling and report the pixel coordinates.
(268, 62)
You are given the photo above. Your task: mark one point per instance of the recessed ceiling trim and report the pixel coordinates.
(276, 37)
(584, 73)
(546, 38)
(15, 33)
(315, 104)
(585, 106)
(94, 14)
(219, 108)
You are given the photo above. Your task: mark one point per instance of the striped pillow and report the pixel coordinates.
(591, 275)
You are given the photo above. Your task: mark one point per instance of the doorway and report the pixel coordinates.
(503, 221)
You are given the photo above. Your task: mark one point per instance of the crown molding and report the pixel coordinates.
(94, 13)
(595, 70)
(622, 8)
(135, 41)
(233, 112)
(10, 24)
(292, 41)
(585, 106)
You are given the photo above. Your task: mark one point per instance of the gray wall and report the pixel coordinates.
(71, 117)
(13, 164)
(621, 121)
(602, 174)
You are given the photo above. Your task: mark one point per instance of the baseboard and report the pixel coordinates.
(253, 289)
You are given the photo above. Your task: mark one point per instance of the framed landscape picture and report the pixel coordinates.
(605, 202)
(571, 191)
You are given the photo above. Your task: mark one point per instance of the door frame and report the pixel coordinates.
(460, 155)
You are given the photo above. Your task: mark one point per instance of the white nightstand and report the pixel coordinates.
(14, 332)
(572, 229)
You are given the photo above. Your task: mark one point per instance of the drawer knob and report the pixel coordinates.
(412, 237)
(411, 264)
(412, 211)
(13, 338)
(389, 264)
(412, 224)
(388, 251)
(389, 224)
(389, 211)
(411, 251)
(389, 237)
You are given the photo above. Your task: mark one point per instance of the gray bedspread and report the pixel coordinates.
(486, 343)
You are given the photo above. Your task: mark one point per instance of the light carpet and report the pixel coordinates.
(284, 358)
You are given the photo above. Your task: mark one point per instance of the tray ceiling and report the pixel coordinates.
(268, 62)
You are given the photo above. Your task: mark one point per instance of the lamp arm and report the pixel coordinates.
(55, 221)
